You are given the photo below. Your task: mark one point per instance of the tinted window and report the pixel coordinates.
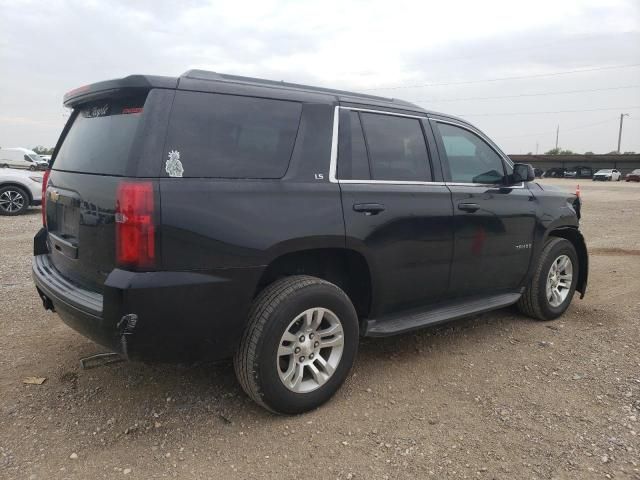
(101, 137)
(470, 159)
(232, 137)
(397, 149)
(352, 152)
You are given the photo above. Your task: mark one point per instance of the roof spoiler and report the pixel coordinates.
(110, 88)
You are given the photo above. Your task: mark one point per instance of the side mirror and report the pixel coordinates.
(523, 172)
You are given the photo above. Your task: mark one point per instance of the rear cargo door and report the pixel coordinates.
(106, 142)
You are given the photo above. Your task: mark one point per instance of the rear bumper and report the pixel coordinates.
(176, 315)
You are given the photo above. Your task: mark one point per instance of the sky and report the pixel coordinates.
(515, 69)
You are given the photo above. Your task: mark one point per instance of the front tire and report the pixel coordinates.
(13, 200)
(554, 281)
(299, 345)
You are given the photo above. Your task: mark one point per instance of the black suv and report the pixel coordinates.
(214, 216)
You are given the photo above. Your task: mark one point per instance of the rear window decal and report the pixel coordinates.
(96, 111)
(174, 166)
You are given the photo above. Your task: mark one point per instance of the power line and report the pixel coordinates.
(542, 113)
(549, 132)
(499, 52)
(542, 94)
(499, 79)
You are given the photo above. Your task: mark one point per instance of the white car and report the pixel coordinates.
(608, 174)
(18, 190)
(18, 157)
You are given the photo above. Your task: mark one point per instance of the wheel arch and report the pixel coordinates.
(346, 268)
(574, 235)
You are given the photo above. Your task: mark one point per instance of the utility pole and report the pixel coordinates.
(557, 135)
(536, 148)
(622, 115)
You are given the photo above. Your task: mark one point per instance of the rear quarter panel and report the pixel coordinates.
(226, 223)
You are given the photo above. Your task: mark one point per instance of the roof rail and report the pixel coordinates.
(220, 77)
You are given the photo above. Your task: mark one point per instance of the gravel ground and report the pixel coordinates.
(497, 396)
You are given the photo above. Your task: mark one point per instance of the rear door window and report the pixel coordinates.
(397, 148)
(101, 136)
(231, 136)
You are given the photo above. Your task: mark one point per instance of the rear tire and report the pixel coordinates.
(281, 322)
(554, 281)
(13, 200)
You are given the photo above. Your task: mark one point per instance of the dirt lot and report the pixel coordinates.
(495, 396)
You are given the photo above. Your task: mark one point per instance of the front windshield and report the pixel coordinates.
(606, 170)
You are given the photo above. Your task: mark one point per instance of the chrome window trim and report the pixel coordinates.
(484, 185)
(391, 182)
(369, 110)
(333, 164)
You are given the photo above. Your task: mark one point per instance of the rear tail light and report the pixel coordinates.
(135, 230)
(43, 199)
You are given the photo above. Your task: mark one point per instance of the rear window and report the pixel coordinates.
(101, 136)
(229, 136)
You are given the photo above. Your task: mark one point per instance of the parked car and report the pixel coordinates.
(215, 216)
(18, 190)
(608, 174)
(555, 172)
(18, 157)
(46, 158)
(633, 176)
(538, 172)
(579, 172)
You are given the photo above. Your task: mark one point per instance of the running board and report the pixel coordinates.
(409, 320)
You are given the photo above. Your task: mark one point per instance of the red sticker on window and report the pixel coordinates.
(127, 110)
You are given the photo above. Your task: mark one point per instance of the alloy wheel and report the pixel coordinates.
(11, 201)
(559, 280)
(310, 350)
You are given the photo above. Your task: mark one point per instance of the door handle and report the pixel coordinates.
(468, 207)
(368, 208)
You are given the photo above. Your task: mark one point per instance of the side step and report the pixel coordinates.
(408, 320)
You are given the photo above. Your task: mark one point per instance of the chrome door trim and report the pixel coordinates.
(485, 185)
(391, 182)
(334, 146)
(333, 164)
(383, 112)
(334, 151)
